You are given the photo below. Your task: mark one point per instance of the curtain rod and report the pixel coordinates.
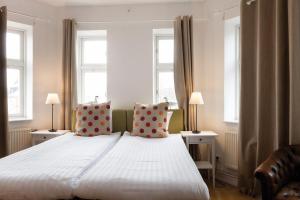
(29, 16)
(136, 21)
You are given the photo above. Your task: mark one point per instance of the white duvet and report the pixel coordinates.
(51, 170)
(144, 169)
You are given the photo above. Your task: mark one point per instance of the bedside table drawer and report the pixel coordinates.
(44, 137)
(199, 140)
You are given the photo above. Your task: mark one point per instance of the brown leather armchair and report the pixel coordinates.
(279, 175)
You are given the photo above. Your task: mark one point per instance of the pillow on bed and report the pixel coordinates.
(150, 120)
(93, 119)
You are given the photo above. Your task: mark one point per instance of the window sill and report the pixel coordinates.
(20, 119)
(231, 121)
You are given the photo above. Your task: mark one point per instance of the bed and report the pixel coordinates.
(52, 169)
(105, 167)
(142, 168)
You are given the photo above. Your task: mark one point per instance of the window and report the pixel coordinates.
(164, 89)
(92, 59)
(232, 70)
(19, 71)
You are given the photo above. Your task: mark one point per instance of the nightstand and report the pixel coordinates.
(205, 137)
(44, 135)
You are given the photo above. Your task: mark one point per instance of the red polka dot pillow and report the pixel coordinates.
(93, 119)
(150, 120)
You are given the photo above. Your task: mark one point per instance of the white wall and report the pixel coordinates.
(130, 46)
(212, 70)
(47, 31)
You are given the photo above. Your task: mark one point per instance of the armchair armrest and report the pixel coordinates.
(280, 168)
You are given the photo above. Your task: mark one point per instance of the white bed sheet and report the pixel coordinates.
(51, 170)
(144, 169)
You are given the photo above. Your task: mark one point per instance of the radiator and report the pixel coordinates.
(231, 150)
(19, 139)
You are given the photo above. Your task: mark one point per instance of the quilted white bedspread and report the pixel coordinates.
(144, 169)
(51, 170)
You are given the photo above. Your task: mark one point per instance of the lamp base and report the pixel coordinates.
(52, 130)
(196, 132)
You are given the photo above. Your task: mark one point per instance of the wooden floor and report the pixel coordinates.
(226, 192)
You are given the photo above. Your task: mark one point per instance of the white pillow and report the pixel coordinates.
(169, 115)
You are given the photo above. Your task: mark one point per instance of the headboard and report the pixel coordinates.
(123, 121)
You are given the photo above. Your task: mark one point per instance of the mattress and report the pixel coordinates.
(51, 170)
(142, 168)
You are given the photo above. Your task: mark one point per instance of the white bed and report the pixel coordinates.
(51, 170)
(142, 168)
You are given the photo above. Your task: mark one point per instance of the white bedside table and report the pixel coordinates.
(44, 135)
(205, 137)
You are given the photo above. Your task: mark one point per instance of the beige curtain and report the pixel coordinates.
(69, 71)
(270, 80)
(183, 71)
(3, 84)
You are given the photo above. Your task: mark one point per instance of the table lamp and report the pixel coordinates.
(52, 99)
(196, 99)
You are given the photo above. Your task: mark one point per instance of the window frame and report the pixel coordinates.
(232, 65)
(238, 71)
(83, 68)
(24, 65)
(160, 67)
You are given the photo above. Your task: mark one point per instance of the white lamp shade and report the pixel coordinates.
(52, 98)
(196, 98)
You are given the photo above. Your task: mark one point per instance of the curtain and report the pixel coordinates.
(270, 80)
(69, 71)
(3, 84)
(183, 72)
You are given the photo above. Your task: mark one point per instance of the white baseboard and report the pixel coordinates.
(226, 177)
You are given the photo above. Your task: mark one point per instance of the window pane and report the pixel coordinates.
(14, 91)
(94, 85)
(238, 75)
(13, 46)
(166, 90)
(166, 51)
(94, 52)
(231, 70)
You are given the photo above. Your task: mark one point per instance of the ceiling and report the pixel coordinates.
(108, 2)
